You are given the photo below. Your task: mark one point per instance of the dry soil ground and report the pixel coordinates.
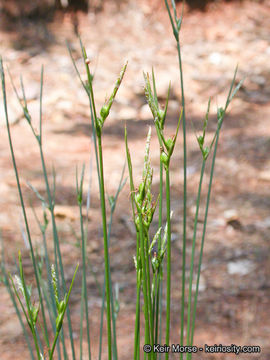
(234, 298)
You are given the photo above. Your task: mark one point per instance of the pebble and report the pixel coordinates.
(215, 58)
(240, 267)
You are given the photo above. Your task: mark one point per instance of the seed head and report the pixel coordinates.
(18, 282)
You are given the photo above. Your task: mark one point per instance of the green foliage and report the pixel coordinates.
(153, 254)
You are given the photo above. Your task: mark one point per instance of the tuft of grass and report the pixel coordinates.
(44, 319)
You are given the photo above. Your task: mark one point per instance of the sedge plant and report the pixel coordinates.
(176, 23)
(153, 259)
(48, 301)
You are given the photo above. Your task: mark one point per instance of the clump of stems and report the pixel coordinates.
(153, 254)
(176, 23)
(97, 127)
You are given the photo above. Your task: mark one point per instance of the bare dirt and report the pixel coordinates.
(234, 299)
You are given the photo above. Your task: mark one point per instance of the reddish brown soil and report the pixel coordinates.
(234, 301)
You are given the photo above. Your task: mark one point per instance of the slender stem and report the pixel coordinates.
(176, 30)
(84, 282)
(28, 306)
(157, 308)
(144, 281)
(52, 307)
(67, 296)
(49, 283)
(101, 321)
(115, 356)
(81, 320)
(53, 346)
(36, 343)
(137, 321)
(193, 252)
(90, 95)
(51, 206)
(146, 247)
(203, 238)
(184, 198)
(160, 202)
(138, 259)
(114, 347)
(161, 305)
(106, 251)
(56, 241)
(153, 304)
(7, 284)
(159, 286)
(19, 190)
(168, 298)
(138, 281)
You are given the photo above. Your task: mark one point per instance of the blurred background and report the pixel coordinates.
(216, 35)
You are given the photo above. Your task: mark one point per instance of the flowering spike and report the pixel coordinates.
(104, 112)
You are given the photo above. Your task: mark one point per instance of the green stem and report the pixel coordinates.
(112, 304)
(81, 320)
(157, 308)
(153, 296)
(67, 295)
(56, 241)
(160, 202)
(7, 284)
(203, 238)
(84, 282)
(20, 191)
(146, 247)
(51, 306)
(36, 342)
(193, 253)
(160, 306)
(49, 283)
(184, 198)
(137, 321)
(54, 343)
(28, 306)
(138, 259)
(106, 251)
(159, 287)
(168, 298)
(144, 281)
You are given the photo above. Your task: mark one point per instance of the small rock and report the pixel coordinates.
(240, 267)
(215, 58)
(230, 214)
